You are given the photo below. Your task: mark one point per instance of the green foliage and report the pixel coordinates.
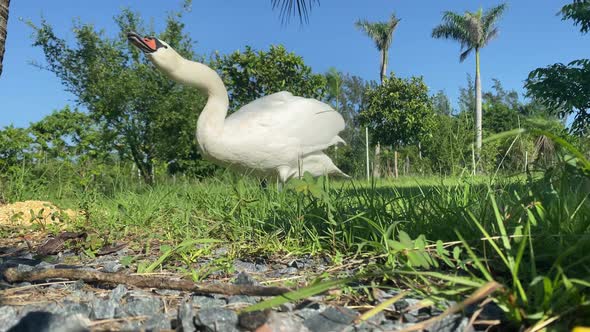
(347, 94)
(565, 89)
(14, 143)
(449, 147)
(399, 111)
(441, 103)
(250, 75)
(579, 12)
(67, 134)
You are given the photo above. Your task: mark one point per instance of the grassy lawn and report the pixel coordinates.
(443, 237)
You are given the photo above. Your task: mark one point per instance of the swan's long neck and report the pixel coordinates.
(211, 121)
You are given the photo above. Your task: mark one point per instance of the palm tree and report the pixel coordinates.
(4, 5)
(382, 35)
(473, 30)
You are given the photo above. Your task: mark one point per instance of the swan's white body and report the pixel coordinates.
(279, 135)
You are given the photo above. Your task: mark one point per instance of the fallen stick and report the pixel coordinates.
(12, 275)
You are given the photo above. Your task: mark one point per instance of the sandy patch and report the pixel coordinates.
(28, 212)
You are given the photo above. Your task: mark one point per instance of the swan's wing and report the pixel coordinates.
(282, 115)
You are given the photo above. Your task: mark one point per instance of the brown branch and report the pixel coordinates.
(12, 275)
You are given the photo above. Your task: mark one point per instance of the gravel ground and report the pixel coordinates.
(78, 306)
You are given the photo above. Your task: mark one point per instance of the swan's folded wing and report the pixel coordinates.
(284, 116)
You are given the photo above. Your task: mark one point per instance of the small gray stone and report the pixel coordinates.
(82, 295)
(167, 292)
(242, 266)
(331, 319)
(288, 270)
(143, 306)
(451, 323)
(111, 267)
(185, 317)
(285, 322)
(69, 308)
(244, 278)
(402, 305)
(286, 307)
(207, 302)
(253, 319)
(216, 319)
(44, 265)
(42, 321)
(7, 317)
(306, 313)
(79, 284)
(371, 323)
(244, 299)
(24, 268)
(23, 284)
(390, 326)
(118, 293)
(157, 322)
(103, 309)
(409, 318)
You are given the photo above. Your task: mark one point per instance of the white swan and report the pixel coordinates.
(277, 135)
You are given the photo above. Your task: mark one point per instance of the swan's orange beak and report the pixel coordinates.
(146, 44)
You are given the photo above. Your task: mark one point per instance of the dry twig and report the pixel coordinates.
(12, 275)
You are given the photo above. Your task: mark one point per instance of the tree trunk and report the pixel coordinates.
(478, 111)
(395, 170)
(4, 7)
(383, 65)
(377, 161)
(407, 166)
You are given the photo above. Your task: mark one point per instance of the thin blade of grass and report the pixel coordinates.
(297, 294)
(380, 307)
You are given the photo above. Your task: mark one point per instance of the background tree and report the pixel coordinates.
(352, 99)
(382, 35)
(399, 112)
(144, 116)
(66, 135)
(579, 12)
(4, 10)
(14, 147)
(473, 30)
(250, 75)
(565, 89)
(441, 104)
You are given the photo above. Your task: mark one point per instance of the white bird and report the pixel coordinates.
(279, 135)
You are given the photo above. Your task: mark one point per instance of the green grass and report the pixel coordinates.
(443, 237)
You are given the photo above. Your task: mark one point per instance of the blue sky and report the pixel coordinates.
(531, 36)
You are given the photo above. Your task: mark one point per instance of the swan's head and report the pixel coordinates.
(158, 51)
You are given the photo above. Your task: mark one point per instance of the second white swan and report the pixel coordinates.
(279, 135)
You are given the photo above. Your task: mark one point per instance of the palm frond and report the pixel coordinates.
(299, 8)
(449, 30)
(491, 17)
(491, 35)
(472, 29)
(380, 32)
(465, 54)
